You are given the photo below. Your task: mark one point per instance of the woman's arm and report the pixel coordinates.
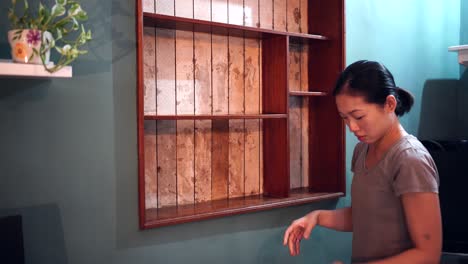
(423, 218)
(340, 219)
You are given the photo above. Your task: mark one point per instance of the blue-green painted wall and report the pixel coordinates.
(68, 156)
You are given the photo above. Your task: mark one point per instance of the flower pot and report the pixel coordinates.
(26, 44)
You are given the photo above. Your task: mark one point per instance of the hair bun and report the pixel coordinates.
(405, 101)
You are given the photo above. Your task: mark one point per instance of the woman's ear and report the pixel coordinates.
(390, 104)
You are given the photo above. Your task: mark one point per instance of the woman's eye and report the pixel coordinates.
(359, 118)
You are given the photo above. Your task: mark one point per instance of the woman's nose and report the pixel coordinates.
(353, 127)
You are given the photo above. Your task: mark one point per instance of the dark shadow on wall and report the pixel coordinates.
(440, 110)
(43, 235)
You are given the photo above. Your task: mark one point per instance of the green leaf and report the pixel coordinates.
(82, 15)
(74, 10)
(61, 2)
(41, 10)
(58, 10)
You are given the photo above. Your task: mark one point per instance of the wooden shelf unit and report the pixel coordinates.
(324, 147)
(214, 117)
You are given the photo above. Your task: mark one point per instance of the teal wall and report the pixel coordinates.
(68, 156)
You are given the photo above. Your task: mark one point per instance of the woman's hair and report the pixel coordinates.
(375, 82)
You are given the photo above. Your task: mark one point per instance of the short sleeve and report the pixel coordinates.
(356, 152)
(416, 172)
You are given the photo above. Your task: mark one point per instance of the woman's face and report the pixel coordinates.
(369, 122)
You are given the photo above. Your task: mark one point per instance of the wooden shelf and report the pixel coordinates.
(218, 208)
(295, 153)
(303, 93)
(214, 117)
(12, 69)
(181, 23)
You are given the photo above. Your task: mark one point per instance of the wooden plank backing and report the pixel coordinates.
(279, 15)
(236, 127)
(183, 8)
(165, 7)
(220, 159)
(295, 105)
(304, 25)
(252, 106)
(166, 153)
(185, 105)
(219, 11)
(165, 73)
(251, 13)
(220, 88)
(149, 70)
(236, 12)
(148, 6)
(202, 9)
(266, 13)
(203, 105)
(151, 181)
(185, 162)
(165, 103)
(293, 16)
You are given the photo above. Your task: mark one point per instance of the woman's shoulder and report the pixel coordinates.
(410, 152)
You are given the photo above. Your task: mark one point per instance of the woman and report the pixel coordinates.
(395, 212)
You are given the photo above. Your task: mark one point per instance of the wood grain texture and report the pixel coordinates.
(220, 159)
(266, 14)
(165, 7)
(236, 158)
(203, 105)
(251, 10)
(219, 11)
(305, 114)
(220, 88)
(304, 25)
(148, 6)
(184, 72)
(167, 167)
(293, 16)
(295, 120)
(252, 106)
(220, 74)
(236, 127)
(185, 162)
(165, 73)
(225, 207)
(151, 181)
(149, 70)
(279, 15)
(202, 9)
(184, 8)
(185, 105)
(236, 12)
(202, 161)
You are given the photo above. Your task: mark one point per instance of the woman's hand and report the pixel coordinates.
(300, 228)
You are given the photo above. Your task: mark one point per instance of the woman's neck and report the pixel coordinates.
(393, 134)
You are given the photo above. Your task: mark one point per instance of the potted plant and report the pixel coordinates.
(34, 34)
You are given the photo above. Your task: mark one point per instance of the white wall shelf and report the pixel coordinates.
(12, 69)
(462, 53)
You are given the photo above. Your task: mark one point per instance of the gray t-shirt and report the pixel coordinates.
(379, 225)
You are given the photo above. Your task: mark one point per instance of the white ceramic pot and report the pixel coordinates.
(23, 42)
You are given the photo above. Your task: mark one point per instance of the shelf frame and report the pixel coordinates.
(305, 93)
(189, 24)
(219, 208)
